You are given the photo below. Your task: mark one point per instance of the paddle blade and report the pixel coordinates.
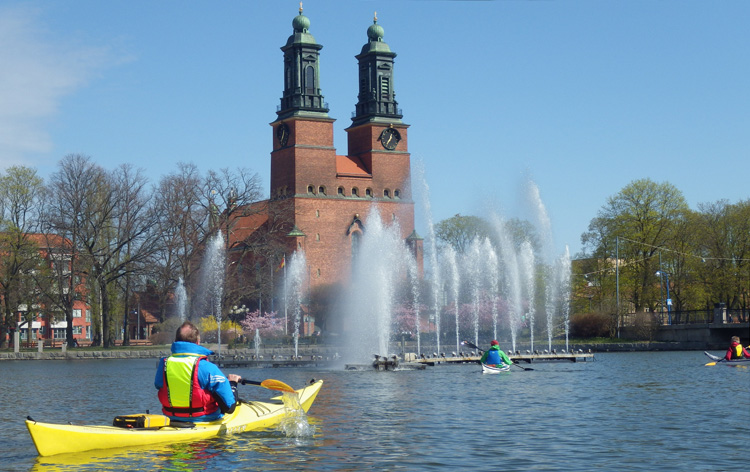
(711, 363)
(272, 384)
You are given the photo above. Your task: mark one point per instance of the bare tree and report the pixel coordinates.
(181, 222)
(118, 234)
(72, 197)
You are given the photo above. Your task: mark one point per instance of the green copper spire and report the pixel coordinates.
(302, 94)
(376, 100)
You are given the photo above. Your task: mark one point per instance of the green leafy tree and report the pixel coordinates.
(20, 203)
(643, 216)
(459, 231)
(725, 250)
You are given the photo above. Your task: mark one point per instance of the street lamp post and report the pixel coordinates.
(669, 300)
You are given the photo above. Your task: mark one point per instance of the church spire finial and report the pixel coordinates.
(300, 8)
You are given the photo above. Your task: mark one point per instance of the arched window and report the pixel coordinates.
(397, 193)
(288, 77)
(310, 189)
(317, 236)
(310, 80)
(386, 193)
(355, 192)
(340, 191)
(317, 213)
(321, 190)
(368, 192)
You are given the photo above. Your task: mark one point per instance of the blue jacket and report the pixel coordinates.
(210, 378)
(494, 356)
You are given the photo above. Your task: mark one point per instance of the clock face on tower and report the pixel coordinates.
(389, 138)
(282, 134)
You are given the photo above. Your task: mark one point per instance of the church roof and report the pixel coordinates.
(255, 216)
(350, 166)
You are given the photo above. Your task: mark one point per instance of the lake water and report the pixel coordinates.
(650, 411)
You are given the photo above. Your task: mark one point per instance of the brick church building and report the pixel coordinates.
(319, 200)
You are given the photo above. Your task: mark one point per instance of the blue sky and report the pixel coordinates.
(582, 97)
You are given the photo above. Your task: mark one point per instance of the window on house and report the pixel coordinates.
(355, 192)
(318, 272)
(368, 192)
(341, 191)
(317, 236)
(310, 189)
(386, 193)
(77, 330)
(76, 313)
(88, 315)
(322, 190)
(317, 213)
(397, 194)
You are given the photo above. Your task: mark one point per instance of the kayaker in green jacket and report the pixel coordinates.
(494, 356)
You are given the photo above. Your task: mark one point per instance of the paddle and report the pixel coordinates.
(270, 384)
(474, 346)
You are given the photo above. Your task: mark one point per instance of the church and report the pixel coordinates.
(319, 200)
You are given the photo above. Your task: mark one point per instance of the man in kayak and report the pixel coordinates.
(190, 387)
(736, 350)
(494, 356)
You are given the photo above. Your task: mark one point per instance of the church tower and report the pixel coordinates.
(323, 197)
(303, 132)
(377, 136)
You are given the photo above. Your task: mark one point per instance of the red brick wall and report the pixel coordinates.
(325, 222)
(309, 159)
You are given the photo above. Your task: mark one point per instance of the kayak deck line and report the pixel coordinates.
(51, 439)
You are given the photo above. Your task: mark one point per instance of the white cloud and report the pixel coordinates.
(38, 70)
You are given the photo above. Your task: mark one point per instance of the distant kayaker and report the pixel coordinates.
(494, 356)
(190, 387)
(736, 351)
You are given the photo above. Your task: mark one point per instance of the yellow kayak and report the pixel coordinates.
(52, 439)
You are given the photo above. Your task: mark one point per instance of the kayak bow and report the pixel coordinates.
(52, 439)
